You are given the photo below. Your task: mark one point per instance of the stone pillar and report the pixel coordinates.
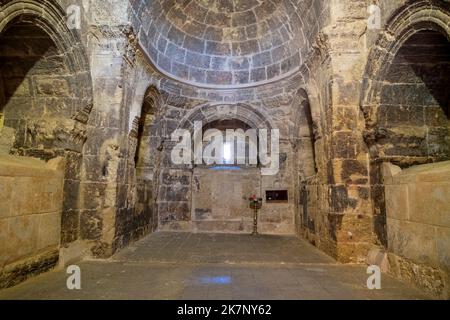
(350, 215)
(105, 152)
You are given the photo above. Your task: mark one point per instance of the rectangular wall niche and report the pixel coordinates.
(277, 196)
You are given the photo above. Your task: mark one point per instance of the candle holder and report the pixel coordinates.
(255, 204)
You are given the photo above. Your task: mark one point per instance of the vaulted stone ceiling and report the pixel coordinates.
(223, 43)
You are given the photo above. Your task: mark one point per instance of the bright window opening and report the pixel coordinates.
(227, 153)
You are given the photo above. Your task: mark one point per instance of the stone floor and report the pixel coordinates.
(214, 266)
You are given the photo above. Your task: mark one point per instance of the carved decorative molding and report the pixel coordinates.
(82, 116)
(78, 135)
(134, 132)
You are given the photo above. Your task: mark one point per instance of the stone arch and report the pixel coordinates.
(50, 17)
(305, 131)
(316, 106)
(309, 94)
(407, 23)
(71, 113)
(142, 127)
(414, 17)
(152, 99)
(244, 116)
(144, 162)
(206, 113)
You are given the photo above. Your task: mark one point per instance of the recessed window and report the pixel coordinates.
(240, 150)
(277, 196)
(227, 153)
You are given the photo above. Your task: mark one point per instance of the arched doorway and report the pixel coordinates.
(227, 177)
(413, 116)
(407, 109)
(213, 197)
(45, 103)
(143, 170)
(405, 101)
(304, 142)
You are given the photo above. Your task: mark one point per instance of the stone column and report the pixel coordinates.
(350, 216)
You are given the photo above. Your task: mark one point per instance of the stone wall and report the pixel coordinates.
(37, 95)
(403, 126)
(345, 98)
(31, 204)
(47, 104)
(333, 197)
(353, 219)
(413, 119)
(220, 199)
(412, 125)
(220, 202)
(177, 186)
(418, 225)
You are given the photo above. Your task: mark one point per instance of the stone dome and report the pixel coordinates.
(225, 42)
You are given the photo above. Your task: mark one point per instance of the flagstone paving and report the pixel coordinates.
(191, 266)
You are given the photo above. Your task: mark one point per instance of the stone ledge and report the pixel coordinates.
(13, 166)
(433, 172)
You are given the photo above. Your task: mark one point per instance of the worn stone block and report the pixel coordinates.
(397, 202)
(49, 230)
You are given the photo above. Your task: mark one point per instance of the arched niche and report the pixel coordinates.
(46, 94)
(405, 96)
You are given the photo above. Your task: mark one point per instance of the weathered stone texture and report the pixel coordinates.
(227, 42)
(418, 225)
(413, 114)
(345, 98)
(31, 194)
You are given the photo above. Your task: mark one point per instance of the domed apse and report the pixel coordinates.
(226, 42)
